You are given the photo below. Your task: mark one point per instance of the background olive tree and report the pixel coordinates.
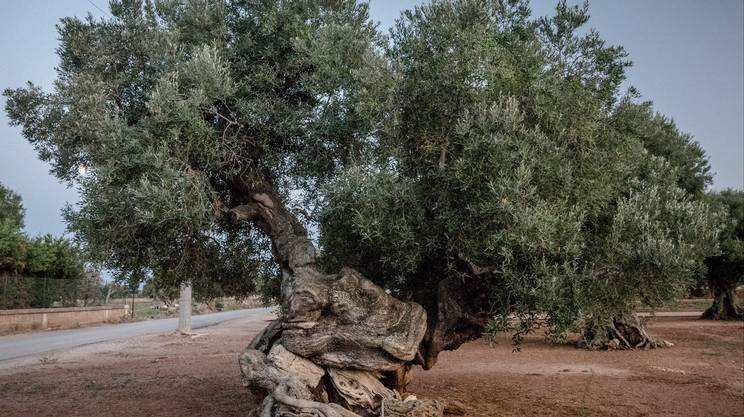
(726, 269)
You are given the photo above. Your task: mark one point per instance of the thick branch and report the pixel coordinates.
(263, 205)
(623, 333)
(338, 334)
(457, 317)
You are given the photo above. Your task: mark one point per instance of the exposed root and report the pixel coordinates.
(624, 334)
(343, 348)
(632, 335)
(289, 393)
(412, 408)
(290, 406)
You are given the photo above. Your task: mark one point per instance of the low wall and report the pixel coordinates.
(20, 320)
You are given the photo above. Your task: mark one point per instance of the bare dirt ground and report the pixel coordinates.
(172, 375)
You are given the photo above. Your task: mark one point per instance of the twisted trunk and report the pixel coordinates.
(456, 318)
(630, 333)
(724, 302)
(623, 333)
(342, 347)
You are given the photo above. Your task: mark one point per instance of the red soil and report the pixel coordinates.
(171, 375)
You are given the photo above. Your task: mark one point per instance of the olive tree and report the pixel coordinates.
(513, 182)
(194, 122)
(480, 174)
(726, 269)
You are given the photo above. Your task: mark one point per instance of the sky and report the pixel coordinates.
(688, 59)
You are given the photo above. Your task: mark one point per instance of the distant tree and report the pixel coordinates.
(13, 251)
(59, 269)
(691, 169)
(11, 207)
(112, 289)
(25, 262)
(12, 240)
(88, 291)
(726, 270)
(16, 292)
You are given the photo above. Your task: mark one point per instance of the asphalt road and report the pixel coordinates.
(30, 344)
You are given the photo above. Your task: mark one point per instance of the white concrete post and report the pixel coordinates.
(184, 309)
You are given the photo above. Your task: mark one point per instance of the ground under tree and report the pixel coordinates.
(473, 170)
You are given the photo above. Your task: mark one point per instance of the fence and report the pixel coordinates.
(43, 292)
(20, 320)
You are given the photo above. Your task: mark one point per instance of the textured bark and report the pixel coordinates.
(724, 303)
(342, 346)
(328, 351)
(626, 333)
(456, 319)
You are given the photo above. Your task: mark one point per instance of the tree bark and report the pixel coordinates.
(724, 303)
(624, 333)
(342, 346)
(456, 318)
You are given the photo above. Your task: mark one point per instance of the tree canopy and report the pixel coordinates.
(22, 259)
(512, 166)
(175, 109)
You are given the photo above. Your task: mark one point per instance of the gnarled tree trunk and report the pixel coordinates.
(343, 346)
(624, 333)
(724, 303)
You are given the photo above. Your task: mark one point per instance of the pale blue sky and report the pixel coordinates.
(688, 58)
